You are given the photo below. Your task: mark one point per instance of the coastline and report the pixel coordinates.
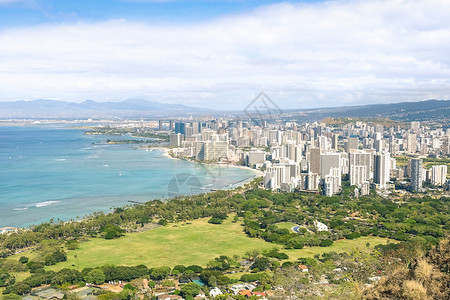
(166, 154)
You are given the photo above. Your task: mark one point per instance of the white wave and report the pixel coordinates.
(59, 159)
(46, 203)
(20, 208)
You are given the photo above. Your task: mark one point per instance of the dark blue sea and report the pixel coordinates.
(60, 173)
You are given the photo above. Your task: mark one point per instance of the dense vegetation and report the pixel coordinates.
(421, 223)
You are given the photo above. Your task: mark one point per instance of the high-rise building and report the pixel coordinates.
(439, 175)
(180, 128)
(379, 128)
(323, 142)
(382, 169)
(411, 143)
(357, 175)
(329, 161)
(255, 157)
(351, 144)
(211, 150)
(378, 144)
(332, 182)
(175, 140)
(361, 158)
(276, 175)
(315, 160)
(416, 174)
(334, 142)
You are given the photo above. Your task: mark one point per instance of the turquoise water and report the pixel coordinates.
(59, 173)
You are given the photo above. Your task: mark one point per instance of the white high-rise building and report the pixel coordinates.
(211, 150)
(357, 175)
(439, 175)
(359, 159)
(332, 182)
(276, 175)
(329, 161)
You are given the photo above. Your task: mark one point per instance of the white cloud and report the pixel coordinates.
(304, 55)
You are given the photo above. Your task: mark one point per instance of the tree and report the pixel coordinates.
(261, 263)
(72, 245)
(194, 268)
(326, 243)
(6, 279)
(179, 268)
(190, 290)
(23, 259)
(34, 266)
(20, 288)
(95, 276)
(11, 297)
(160, 273)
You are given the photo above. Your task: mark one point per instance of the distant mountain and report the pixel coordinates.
(92, 109)
(403, 111)
(137, 108)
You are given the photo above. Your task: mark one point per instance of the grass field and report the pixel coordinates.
(287, 225)
(195, 243)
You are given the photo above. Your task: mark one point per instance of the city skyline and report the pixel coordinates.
(304, 54)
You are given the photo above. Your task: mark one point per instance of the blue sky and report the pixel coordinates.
(32, 12)
(221, 54)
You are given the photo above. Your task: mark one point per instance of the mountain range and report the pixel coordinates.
(138, 108)
(403, 111)
(92, 109)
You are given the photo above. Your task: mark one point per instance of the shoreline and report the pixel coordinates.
(166, 154)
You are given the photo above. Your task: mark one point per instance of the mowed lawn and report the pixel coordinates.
(287, 225)
(340, 246)
(188, 244)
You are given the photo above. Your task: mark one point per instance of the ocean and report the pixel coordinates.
(61, 174)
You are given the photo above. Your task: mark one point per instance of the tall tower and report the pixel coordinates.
(416, 174)
(334, 142)
(382, 169)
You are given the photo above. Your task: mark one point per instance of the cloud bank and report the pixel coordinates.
(302, 55)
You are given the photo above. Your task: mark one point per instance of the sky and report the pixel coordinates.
(221, 54)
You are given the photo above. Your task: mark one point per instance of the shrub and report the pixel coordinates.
(352, 236)
(326, 243)
(72, 245)
(215, 221)
(23, 259)
(6, 279)
(276, 254)
(250, 277)
(162, 222)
